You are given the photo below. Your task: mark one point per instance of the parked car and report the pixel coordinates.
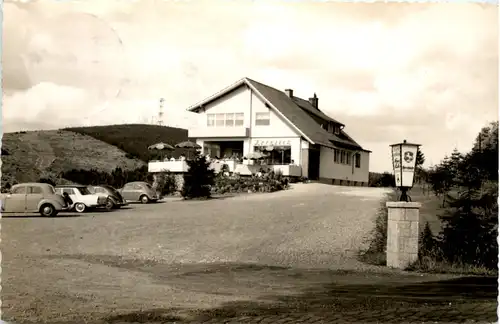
(115, 199)
(28, 198)
(81, 198)
(139, 191)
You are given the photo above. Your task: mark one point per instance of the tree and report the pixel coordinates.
(420, 160)
(441, 180)
(47, 180)
(427, 242)
(198, 179)
(471, 224)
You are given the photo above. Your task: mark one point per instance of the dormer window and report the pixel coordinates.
(330, 128)
(337, 130)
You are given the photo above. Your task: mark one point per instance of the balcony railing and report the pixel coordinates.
(206, 132)
(180, 166)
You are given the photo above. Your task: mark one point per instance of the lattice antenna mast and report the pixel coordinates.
(160, 112)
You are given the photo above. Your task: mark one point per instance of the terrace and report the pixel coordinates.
(241, 166)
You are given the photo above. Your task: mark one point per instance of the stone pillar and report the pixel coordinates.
(402, 233)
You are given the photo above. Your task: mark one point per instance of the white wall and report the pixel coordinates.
(236, 102)
(244, 101)
(278, 127)
(331, 170)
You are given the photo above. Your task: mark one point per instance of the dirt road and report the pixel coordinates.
(256, 255)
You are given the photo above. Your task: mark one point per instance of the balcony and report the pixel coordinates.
(211, 132)
(286, 170)
(234, 167)
(164, 166)
(182, 166)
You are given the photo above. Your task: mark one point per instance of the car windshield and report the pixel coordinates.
(84, 191)
(149, 186)
(52, 190)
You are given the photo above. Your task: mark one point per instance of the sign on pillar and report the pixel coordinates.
(403, 216)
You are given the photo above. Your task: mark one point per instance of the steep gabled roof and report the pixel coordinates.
(296, 111)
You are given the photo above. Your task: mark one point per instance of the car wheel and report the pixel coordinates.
(48, 210)
(110, 205)
(144, 199)
(80, 207)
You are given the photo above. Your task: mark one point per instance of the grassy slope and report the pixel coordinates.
(47, 153)
(135, 138)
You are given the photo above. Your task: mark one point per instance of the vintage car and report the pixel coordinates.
(115, 200)
(29, 198)
(80, 198)
(139, 191)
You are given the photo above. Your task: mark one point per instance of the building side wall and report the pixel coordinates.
(337, 173)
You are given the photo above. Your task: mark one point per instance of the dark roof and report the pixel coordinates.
(297, 111)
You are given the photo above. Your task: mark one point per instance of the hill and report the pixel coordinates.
(27, 156)
(135, 138)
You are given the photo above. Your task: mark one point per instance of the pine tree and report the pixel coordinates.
(198, 179)
(471, 225)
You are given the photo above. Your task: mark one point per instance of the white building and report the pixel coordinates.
(300, 139)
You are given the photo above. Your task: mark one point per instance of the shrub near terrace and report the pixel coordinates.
(261, 182)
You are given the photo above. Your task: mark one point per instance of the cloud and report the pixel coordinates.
(388, 71)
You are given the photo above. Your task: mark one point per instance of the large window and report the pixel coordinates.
(277, 155)
(262, 118)
(225, 120)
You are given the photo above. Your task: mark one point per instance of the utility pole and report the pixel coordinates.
(160, 112)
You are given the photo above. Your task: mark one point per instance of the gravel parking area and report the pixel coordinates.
(185, 256)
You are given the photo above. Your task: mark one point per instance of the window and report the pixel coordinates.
(337, 130)
(358, 160)
(262, 118)
(342, 157)
(84, 191)
(219, 120)
(336, 156)
(68, 191)
(324, 126)
(238, 119)
(210, 120)
(229, 120)
(19, 190)
(348, 158)
(330, 128)
(35, 190)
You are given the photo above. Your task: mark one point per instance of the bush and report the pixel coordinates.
(199, 178)
(381, 179)
(375, 253)
(117, 178)
(266, 181)
(165, 183)
(47, 180)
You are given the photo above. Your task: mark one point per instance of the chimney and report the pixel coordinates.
(314, 101)
(289, 92)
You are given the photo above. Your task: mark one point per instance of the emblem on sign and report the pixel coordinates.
(408, 156)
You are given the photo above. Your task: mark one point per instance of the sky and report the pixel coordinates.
(427, 73)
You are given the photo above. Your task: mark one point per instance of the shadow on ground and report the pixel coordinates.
(333, 295)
